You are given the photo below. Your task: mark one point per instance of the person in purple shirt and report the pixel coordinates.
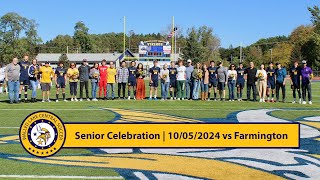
(306, 76)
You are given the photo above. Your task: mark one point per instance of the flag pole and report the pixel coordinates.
(172, 41)
(124, 36)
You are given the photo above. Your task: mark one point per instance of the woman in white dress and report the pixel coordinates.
(262, 80)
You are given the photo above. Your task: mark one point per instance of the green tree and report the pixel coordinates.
(64, 58)
(315, 17)
(201, 45)
(18, 36)
(82, 38)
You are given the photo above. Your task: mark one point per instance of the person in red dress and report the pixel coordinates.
(140, 89)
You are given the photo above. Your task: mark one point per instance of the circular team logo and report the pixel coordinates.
(42, 134)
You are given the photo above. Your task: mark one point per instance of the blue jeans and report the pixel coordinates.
(196, 87)
(13, 90)
(231, 86)
(164, 90)
(34, 85)
(94, 86)
(189, 88)
(204, 87)
(112, 87)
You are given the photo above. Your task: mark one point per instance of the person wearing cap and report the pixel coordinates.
(189, 80)
(251, 81)
(281, 74)
(84, 71)
(46, 74)
(306, 76)
(60, 78)
(295, 74)
(222, 75)
(154, 79)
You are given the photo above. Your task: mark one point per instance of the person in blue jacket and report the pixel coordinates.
(281, 74)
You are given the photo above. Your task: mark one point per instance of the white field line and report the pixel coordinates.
(60, 177)
(203, 109)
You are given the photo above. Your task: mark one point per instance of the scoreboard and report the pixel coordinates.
(154, 50)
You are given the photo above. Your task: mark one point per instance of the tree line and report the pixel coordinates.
(18, 36)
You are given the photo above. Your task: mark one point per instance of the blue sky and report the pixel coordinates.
(233, 21)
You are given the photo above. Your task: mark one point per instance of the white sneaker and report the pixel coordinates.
(293, 102)
(208, 99)
(128, 97)
(48, 100)
(171, 98)
(182, 99)
(310, 102)
(88, 99)
(232, 99)
(43, 100)
(94, 99)
(57, 100)
(263, 100)
(134, 98)
(65, 100)
(178, 99)
(175, 98)
(72, 99)
(260, 100)
(75, 99)
(162, 99)
(300, 101)
(304, 102)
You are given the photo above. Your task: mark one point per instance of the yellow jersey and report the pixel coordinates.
(73, 74)
(46, 74)
(111, 77)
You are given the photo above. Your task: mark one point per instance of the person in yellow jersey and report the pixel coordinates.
(73, 75)
(45, 81)
(111, 80)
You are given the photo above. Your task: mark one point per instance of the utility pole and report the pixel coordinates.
(271, 54)
(67, 49)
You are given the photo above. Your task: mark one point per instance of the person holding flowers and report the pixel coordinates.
(262, 80)
(197, 75)
(165, 81)
(94, 76)
(232, 76)
(73, 75)
(205, 83)
(141, 88)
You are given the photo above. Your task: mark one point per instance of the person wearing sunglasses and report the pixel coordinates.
(232, 76)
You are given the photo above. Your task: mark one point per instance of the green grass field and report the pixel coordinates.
(11, 117)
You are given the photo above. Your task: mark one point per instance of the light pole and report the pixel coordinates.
(271, 54)
(130, 34)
